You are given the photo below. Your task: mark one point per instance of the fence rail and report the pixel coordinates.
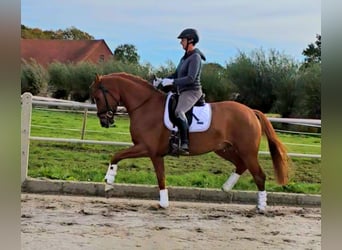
(45, 101)
(28, 101)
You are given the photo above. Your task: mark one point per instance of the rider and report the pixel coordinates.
(187, 81)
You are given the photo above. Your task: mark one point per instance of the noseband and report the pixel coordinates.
(109, 111)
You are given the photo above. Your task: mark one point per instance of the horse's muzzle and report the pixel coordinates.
(106, 122)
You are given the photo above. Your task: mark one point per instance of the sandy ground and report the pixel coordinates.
(74, 222)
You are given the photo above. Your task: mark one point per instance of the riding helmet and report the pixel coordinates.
(189, 34)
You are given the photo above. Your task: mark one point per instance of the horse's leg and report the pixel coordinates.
(135, 151)
(233, 157)
(259, 179)
(158, 163)
(250, 163)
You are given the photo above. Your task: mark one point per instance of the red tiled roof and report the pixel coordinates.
(47, 51)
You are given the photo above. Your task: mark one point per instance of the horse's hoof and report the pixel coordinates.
(161, 207)
(108, 187)
(260, 211)
(157, 207)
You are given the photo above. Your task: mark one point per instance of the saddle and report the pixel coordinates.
(173, 100)
(199, 119)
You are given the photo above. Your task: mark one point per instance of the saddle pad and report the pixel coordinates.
(203, 113)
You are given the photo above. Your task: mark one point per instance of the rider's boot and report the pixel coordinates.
(182, 124)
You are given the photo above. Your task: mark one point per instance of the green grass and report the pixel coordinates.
(84, 162)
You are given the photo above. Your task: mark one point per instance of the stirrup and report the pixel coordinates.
(184, 149)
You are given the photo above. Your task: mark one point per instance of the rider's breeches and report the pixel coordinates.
(186, 100)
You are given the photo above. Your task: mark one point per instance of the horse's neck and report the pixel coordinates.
(134, 95)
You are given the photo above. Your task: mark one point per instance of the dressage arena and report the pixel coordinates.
(56, 216)
(83, 222)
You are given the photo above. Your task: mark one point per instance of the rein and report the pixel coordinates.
(109, 112)
(141, 104)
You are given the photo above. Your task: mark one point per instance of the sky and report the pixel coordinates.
(225, 27)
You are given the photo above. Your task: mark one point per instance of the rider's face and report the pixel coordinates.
(184, 42)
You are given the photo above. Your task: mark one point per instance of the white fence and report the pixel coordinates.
(27, 101)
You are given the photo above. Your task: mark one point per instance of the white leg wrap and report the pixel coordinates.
(110, 176)
(262, 200)
(164, 198)
(231, 181)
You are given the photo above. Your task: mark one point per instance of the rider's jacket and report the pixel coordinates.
(188, 72)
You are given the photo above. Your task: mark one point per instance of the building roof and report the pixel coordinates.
(46, 51)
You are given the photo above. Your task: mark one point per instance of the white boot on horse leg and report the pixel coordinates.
(231, 181)
(262, 201)
(164, 198)
(110, 177)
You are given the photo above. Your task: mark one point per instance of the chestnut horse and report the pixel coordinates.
(234, 134)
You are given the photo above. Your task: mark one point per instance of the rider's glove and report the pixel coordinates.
(157, 81)
(167, 82)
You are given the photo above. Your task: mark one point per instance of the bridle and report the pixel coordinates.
(109, 111)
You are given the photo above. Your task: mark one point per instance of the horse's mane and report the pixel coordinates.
(133, 78)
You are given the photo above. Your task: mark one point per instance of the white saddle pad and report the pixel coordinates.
(202, 113)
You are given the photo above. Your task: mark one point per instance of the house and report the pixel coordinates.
(45, 51)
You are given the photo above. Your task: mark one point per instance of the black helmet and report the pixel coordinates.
(189, 34)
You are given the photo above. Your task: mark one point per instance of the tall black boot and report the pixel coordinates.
(183, 127)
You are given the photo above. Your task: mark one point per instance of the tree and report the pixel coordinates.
(261, 78)
(309, 101)
(127, 53)
(313, 52)
(28, 33)
(165, 71)
(309, 79)
(71, 33)
(251, 80)
(216, 86)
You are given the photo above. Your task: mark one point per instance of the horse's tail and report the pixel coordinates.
(277, 149)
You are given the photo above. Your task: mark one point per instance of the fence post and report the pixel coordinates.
(26, 111)
(84, 123)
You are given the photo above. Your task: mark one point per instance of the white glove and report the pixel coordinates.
(157, 81)
(167, 82)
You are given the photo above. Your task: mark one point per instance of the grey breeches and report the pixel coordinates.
(186, 100)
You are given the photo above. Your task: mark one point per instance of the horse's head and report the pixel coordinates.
(105, 100)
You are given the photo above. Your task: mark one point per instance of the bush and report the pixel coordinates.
(309, 99)
(81, 76)
(115, 66)
(34, 78)
(287, 95)
(258, 78)
(216, 86)
(244, 75)
(60, 80)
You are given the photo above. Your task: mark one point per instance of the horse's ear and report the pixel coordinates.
(97, 78)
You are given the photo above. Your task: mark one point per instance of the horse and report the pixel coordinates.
(234, 133)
